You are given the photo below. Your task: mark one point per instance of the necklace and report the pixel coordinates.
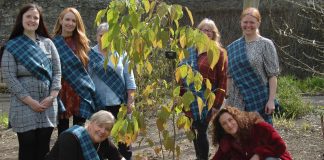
(98, 147)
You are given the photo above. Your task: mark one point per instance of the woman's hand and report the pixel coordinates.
(48, 101)
(34, 105)
(270, 107)
(255, 157)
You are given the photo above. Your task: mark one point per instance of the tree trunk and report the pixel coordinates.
(250, 3)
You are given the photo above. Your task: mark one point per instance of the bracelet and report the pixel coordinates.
(51, 97)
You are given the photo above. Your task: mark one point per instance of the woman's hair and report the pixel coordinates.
(245, 121)
(103, 117)
(79, 34)
(254, 12)
(18, 28)
(102, 27)
(216, 35)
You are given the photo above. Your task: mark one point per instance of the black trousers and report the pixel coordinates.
(125, 151)
(201, 140)
(34, 144)
(64, 123)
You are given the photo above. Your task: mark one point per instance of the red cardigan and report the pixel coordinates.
(264, 141)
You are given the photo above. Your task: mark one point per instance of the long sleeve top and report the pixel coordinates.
(106, 95)
(264, 140)
(67, 147)
(21, 83)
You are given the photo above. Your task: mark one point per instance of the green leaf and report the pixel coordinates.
(188, 98)
(99, 16)
(190, 77)
(190, 16)
(162, 10)
(176, 91)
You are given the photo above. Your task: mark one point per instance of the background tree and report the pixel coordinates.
(302, 49)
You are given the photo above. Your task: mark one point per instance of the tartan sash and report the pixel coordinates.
(75, 74)
(32, 57)
(255, 93)
(88, 150)
(108, 76)
(192, 61)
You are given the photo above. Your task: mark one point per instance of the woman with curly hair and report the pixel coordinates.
(78, 90)
(246, 136)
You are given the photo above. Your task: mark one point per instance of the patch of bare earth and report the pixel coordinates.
(304, 140)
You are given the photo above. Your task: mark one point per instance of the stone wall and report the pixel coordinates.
(224, 12)
(51, 9)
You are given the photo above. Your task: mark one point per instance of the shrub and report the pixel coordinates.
(292, 105)
(312, 85)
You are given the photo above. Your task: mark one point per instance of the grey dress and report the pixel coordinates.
(22, 83)
(263, 58)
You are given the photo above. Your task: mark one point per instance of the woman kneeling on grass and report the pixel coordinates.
(87, 143)
(246, 136)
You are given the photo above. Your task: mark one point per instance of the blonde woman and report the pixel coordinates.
(78, 90)
(89, 142)
(253, 68)
(217, 76)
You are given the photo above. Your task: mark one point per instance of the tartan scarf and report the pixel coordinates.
(75, 74)
(255, 93)
(192, 61)
(32, 57)
(108, 76)
(88, 150)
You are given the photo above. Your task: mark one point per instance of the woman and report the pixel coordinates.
(114, 85)
(31, 68)
(245, 136)
(89, 142)
(216, 76)
(253, 69)
(78, 90)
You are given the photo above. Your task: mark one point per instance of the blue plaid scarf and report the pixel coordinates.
(75, 74)
(32, 57)
(108, 76)
(88, 150)
(192, 61)
(255, 93)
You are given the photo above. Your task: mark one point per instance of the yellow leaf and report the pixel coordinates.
(208, 84)
(198, 81)
(181, 55)
(182, 40)
(149, 67)
(157, 150)
(213, 56)
(211, 99)
(114, 59)
(146, 5)
(160, 125)
(200, 105)
(190, 16)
